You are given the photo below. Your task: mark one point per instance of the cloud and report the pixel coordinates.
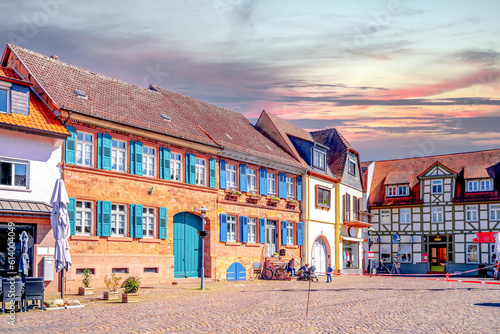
(483, 57)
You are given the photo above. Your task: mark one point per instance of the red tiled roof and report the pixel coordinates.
(488, 160)
(124, 103)
(8, 74)
(337, 147)
(401, 178)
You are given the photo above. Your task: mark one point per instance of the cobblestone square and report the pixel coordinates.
(347, 305)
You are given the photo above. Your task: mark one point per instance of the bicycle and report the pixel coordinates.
(271, 272)
(382, 269)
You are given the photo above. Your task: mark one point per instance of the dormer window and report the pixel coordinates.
(398, 190)
(319, 159)
(352, 168)
(479, 185)
(4, 99)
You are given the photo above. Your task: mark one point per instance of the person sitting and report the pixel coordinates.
(303, 269)
(290, 268)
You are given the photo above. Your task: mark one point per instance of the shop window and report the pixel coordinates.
(406, 253)
(493, 256)
(472, 253)
(385, 252)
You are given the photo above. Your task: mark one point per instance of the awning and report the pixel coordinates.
(484, 237)
(356, 223)
(351, 239)
(8, 206)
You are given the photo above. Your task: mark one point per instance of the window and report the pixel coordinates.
(479, 185)
(322, 197)
(151, 270)
(231, 228)
(148, 161)
(472, 253)
(175, 167)
(437, 214)
(83, 218)
(84, 148)
(494, 211)
(119, 270)
(118, 155)
(391, 191)
(201, 172)
(148, 222)
(271, 184)
(289, 187)
(289, 233)
(493, 256)
(437, 186)
(354, 208)
(82, 271)
(385, 217)
(347, 207)
(402, 190)
(405, 216)
(318, 159)
(14, 174)
(5, 100)
(471, 213)
(385, 253)
(118, 220)
(231, 176)
(252, 230)
(252, 180)
(406, 253)
(397, 190)
(352, 168)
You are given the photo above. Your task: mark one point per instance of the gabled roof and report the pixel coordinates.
(437, 163)
(401, 178)
(337, 147)
(488, 160)
(139, 107)
(8, 74)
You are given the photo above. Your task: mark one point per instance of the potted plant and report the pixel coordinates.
(233, 194)
(112, 286)
(131, 292)
(86, 290)
(274, 200)
(292, 203)
(253, 198)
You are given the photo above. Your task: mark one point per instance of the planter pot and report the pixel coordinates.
(85, 291)
(110, 295)
(130, 297)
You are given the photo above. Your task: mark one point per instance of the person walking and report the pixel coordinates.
(329, 271)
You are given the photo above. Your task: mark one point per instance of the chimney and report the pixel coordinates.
(55, 57)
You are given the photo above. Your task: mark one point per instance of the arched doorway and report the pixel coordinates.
(319, 255)
(187, 245)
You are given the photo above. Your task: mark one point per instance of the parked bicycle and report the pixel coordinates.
(271, 272)
(382, 269)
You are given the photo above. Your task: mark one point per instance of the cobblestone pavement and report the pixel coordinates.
(349, 304)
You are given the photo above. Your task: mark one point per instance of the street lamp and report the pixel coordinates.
(203, 211)
(370, 243)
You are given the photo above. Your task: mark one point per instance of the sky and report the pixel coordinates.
(397, 78)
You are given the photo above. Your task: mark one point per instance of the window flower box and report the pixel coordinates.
(292, 204)
(253, 198)
(233, 195)
(274, 201)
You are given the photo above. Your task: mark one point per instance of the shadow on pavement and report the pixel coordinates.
(489, 304)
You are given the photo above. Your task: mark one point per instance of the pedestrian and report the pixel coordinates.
(329, 272)
(290, 268)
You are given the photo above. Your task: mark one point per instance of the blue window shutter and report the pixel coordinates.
(192, 169)
(99, 218)
(281, 185)
(222, 174)
(138, 158)
(223, 227)
(70, 146)
(132, 158)
(99, 150)
(71, 214)
(262, 230)
(243, 178)
(106, 152)
(132, 216)
(138, 221)
(283, 232)
(299, 189)
(162, 213)
(212, 172)
(106, 218)
(244, 228)
(164, 163)
(300, 234)
(186, 168)
(263, 182)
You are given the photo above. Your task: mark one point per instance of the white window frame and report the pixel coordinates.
(14, 162)
(252, 180)
(290, 193)
(471, 213)
(437, 214)
(495, 212)
(406, 253)
(148, 161)
(83, 150)
(405, 216)
(6, 87)
(437, 183)
(80, 221)
(231, 228)
(492, 252)
(385, 249)
(385, 217)
(289, 233)
(252, 230)
(483, 184)
(114, 221)
(478, 185)
(468, 253)
(353, 165)
(175, 167)
(115, 158)
(391, 191)
(271, 183)
(403, 190)
(319, 159)
(231, 177)
(201, 172)
(148, 216)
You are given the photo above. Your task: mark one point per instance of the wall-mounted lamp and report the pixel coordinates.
(150, 190)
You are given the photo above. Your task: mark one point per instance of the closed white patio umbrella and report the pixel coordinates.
(497, 246)
(59, 220)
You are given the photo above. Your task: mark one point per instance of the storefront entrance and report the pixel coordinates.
(438, 257)
(319, 255)
(350, 254)
(17, 229)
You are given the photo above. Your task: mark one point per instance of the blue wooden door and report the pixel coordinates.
(187, 245)
(236, 272)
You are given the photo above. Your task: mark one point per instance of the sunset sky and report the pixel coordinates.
(397, 78)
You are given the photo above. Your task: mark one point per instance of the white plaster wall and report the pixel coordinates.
(322, 215)
(43, 154)
(327, 231)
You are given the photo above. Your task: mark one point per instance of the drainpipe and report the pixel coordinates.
(337, 227)
(306, 177)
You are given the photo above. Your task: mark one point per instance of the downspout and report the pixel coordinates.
(337, 227)
(307, 217)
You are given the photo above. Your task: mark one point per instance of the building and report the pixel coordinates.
(428, 210)
(29, 167)
(139, 164)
